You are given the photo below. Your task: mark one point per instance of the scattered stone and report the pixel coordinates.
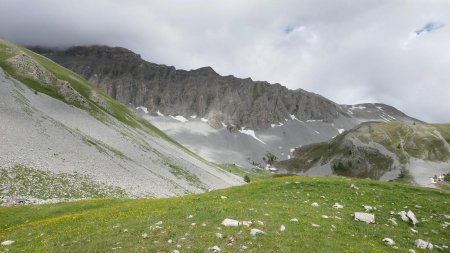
(145, 235)
(413, 230)
(159, 223)
(388, 241)
(354, 187)
(411, 251)
(315, 204)
(125, 230)
(256, 231)
(230, 223)
(223, 197)
(421, 244)
(190, 216)
(412, 217)
(8, 243)
(315, 225)
(170, 241)
(393, 221)
(282, 228)
(244, 247)
(368, 218)
(260, 223)
(214, 249)
(193, 224)
(294, 220)
(368, 208)
(247, 223)
(175, 251)
(219, 235)
(337, 206)
(417, 206)
(325, 216)
(403, 216)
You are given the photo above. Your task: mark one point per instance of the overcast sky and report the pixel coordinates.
(395, 52)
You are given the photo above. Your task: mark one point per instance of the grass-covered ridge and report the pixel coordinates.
(192, 223)
(43, 75)
(372, 148)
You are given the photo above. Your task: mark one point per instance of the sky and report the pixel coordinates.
(395, 52)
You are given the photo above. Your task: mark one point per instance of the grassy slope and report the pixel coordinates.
(444, 129)
(23, 181)
(97, 225)
(402, 139)
(111, 107)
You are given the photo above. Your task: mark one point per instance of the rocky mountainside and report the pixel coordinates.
(411, 152)
(201, 92)
(54, 121)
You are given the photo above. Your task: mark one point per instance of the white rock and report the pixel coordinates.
(193, 224)
(159, 223)
(7, 243)
(411, 251)
(368, 218)
(315, 225)
(412, 217)
(388, 241)
(421, 244)
(325, 216)
(223, 197)
(170, 241)
(175, 251)
(282, 228)
(354, 187)
(368, 208)
(219, 235)
(230, 223)
(393, 221)
(125, 230)
(315, 204)
(413, 230)
(256, 231)
(214, 249)
(190, 216)
(294, 220)
(260, 223)
(403, 216)
(247, 223)
(337, 206)
(145, 235)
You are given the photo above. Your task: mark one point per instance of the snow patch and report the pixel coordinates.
(341, 130)
(204, 120)
(193, 116)
(143, 108)
(252, 134)
(179, 118)
(159, 113)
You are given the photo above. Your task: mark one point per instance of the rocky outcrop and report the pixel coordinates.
(201, 92)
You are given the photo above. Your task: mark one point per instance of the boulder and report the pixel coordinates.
(421, 244)
(368, 218)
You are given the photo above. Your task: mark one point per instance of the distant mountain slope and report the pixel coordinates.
(52, 119)
(201, 92)
(387, 150)
(248, 118)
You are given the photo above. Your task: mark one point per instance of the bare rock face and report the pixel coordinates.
(201, 92)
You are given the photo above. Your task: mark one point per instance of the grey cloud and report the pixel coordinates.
(349, 51)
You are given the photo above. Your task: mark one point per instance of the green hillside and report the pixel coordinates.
(372, 148)
(191, 223)
(43, 75)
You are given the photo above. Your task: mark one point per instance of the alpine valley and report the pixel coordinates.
(102, 151)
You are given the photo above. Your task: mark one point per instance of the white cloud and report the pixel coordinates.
(349, 51)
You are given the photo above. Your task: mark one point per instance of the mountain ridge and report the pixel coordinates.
(201, 92)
